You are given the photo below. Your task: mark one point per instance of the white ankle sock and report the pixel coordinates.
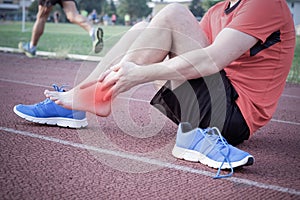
(92, 31)
(32, 47)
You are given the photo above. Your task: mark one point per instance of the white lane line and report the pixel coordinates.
(135, 99)
(47, 86)
(25, 83)
(55, 55)
(291, 96)
(285, 122)
(151, 161)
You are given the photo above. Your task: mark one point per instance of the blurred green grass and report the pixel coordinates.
(60, 38)
(69, 38)
(294, 75)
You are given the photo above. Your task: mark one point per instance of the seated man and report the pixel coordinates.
(69, 7)
(227, 72)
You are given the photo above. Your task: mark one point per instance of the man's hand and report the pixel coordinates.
(120, 78)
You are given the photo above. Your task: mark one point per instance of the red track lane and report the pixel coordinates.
(128, 155)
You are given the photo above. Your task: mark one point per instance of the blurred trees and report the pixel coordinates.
(89, 5)
(196, 8)
(33, 8)
(199, 7)
(109, 8)
(135, 8)
(81, 5)
(206, 4)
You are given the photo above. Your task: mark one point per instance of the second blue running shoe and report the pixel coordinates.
(208, 147)
(25, 48)
(48, 112)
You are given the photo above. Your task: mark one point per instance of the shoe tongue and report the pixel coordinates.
(215, 138)
(59, 89)
(47, 100)
(212, 136)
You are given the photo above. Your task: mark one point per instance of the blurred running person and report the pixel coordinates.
(69, 7)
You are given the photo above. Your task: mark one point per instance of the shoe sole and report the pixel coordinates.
(24, 51)
(195, 156)
(58, 121)
(98, 46)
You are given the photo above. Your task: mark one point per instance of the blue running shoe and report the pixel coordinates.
(25, 48)
(48, 112)
(208, 147)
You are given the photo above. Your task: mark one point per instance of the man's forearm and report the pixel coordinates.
(193, 64)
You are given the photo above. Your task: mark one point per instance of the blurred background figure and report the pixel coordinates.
(105, 19)
(56, 16)
(94, 16)
(127, 19)
(84, 13)
(113, 19)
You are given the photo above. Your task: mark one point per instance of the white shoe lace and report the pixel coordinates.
(221, 143)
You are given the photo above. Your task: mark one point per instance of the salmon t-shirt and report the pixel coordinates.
(259, 75)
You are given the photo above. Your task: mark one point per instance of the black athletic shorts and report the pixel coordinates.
(49, 3)
(205, 102)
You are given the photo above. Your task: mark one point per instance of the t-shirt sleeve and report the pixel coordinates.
(205, 26)
(259, 18)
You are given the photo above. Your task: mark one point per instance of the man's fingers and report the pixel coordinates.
(107, 84)
(104, 75)
(108, 94)
(116, 67)
(113, 92)
(109, 80)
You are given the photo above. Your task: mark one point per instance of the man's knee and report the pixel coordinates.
(175, 9)
(173, 12)
(43, 12)
(140, 25)
(71, 12)
(74, 17)
(71, 17)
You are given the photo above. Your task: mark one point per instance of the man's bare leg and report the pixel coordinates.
(175, 31)
(91, 99)
(172, 32)
(39, 25)
(74, 16)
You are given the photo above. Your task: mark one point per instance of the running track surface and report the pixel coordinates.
(128, 155)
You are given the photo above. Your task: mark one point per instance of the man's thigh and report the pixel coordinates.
(70, 7)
